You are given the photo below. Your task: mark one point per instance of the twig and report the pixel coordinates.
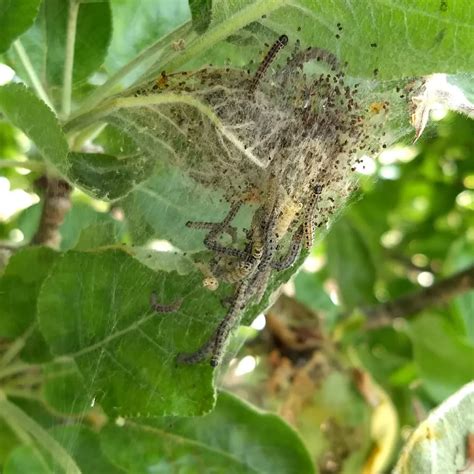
(16, 347)
(13, 415)
(57, 202)
(14, 369)
(439, 293)
(69, 57)
(30, 70)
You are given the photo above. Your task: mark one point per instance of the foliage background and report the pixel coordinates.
(352, 394)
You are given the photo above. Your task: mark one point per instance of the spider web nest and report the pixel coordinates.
(300, 128)
(286, 146)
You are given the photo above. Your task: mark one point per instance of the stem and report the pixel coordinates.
(21, 434)
(150, 54)
(69, 58)
(16, 369)
(21, 393)
(34, 79)
(440, 293)
(16, 347)
(27, 164)
(15, 416)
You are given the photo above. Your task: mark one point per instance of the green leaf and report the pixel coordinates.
(107, 177)
(15, 18)
(28, 221)
(430, 31)
(166, 201)
(465, 305)
(95, 307)
(163, 261)
(34, 44)
(93, 32)
(350, 264)
(26, 459)
(437, 349)
(81, 443)
(460, 257)
(437, 445)
(63, 388)
(310, 291)
(8, 441)
(81, 216)
(201, 13)
(234, 438)
(99, 235)
(137, 28)
(93, 36)
(438, 39)
(19, 287)
(37, 121)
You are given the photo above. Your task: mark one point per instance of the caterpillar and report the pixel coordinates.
(280, 43)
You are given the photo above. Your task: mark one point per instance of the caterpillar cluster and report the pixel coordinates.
(287, 146)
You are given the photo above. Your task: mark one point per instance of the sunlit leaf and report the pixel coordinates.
(37, 121)
(438, 445)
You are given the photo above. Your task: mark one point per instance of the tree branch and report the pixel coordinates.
(438, 294)
(57, 202)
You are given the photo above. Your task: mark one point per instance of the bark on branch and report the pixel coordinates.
(56, 204)
(438, 294)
